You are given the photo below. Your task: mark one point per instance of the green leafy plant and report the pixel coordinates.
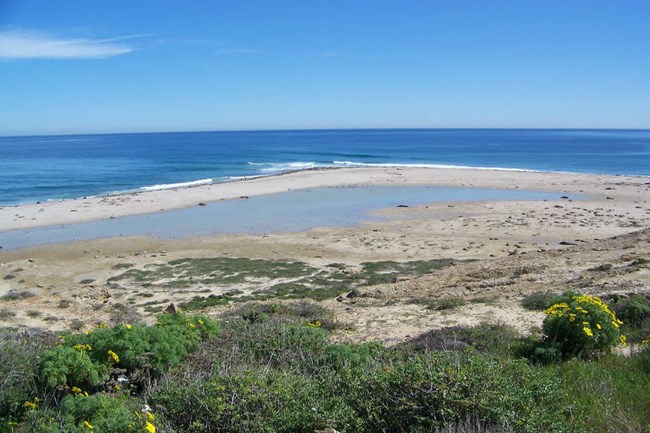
(86, 359)
(98, 413)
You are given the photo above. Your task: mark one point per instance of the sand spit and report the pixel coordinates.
(627, 188)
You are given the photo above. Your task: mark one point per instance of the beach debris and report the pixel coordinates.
(202, 204)
(401, 205)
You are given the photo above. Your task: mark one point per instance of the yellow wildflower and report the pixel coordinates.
(150, 427)
(588, 331)
(201, 322)
(557, 309)
(114, 356)
(83, 347)
(151, 416)
(29, 405)
(623, 340)
(192, 325)
(127, 326)
(87, 425)
(598, 326)
(76, 390)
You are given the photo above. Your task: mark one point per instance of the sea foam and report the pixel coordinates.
(176, 185)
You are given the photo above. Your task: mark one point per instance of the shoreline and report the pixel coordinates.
(70, 211)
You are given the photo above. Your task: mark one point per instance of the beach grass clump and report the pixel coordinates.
(578, 325)
(539, 301)
(491, 338)
(610, 394)
(14, 295)
(442, 304)
(634, 311)
(20, 351)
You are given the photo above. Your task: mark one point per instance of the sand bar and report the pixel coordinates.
(630, 189)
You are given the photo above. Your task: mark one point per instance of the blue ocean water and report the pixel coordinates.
(56, 167)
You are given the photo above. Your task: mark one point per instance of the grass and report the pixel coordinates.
(14, 294)
(439, 304)
(539, 301)
(5, 314)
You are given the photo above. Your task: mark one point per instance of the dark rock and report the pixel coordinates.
(87, 281)
(353, 294)
(171, 309)
(401, 205)
(202, 204)
(567, 243)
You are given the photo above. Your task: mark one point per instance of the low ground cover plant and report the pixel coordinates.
(271, 368)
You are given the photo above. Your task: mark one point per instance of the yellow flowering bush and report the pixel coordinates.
(579, 325)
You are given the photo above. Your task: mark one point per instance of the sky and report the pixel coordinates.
(91, 66)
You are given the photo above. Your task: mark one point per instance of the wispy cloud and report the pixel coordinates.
(35, 45)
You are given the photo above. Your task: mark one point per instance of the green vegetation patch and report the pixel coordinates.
(270, 279)
(184, 273)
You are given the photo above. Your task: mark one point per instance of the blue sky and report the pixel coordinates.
(84, 66)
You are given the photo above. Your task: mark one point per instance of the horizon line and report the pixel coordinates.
(198, 131)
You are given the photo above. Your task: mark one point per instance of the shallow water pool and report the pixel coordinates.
(290, 211)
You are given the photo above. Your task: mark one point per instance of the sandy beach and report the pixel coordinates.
(515, 248)
(628, 189)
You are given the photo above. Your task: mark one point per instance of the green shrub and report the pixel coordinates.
(99, 413)
(578, 325)
(633, 310)
(254, 401)
(391, 393)
(72, 366)
(84, 360)
(276, 342)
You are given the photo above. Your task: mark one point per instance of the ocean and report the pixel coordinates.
(41, 168)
